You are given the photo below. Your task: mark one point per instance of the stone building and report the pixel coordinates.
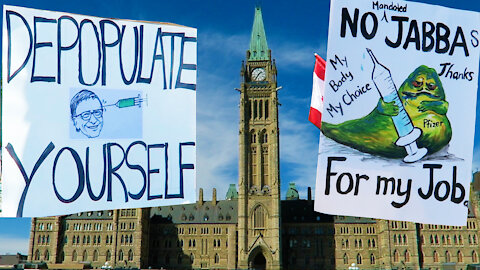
(251, 228)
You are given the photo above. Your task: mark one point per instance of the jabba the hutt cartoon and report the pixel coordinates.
(423, 97)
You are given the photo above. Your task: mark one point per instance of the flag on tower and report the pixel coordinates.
(318, 90)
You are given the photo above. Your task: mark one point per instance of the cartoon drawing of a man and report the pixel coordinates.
(87, 113)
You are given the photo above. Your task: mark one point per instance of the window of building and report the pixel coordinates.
(447, 256)
(259, 217)
(359, 258)
(192, 258)
(345, 258)
(120, 255)
(435, 256)
(46, 256)
(217, 258)
(407, 256)
(85, 255)
(130, 255)
(260, 109)
(108, 255)
(372, 259)
(474, 256)
(459, 256)
(395, 256)
(74, 256)
(266, 110)
(95, 255)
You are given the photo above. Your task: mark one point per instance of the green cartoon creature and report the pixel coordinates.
(423, 98)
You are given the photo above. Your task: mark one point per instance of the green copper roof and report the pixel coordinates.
(258, 42)
(232, 192)
(292, 193)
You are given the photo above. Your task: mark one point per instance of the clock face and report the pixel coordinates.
(258, 74)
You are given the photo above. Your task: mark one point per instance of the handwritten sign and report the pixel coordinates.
(97, 113)
(399, 117)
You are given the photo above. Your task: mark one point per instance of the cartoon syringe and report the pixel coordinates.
(128, 102)
(407, 133)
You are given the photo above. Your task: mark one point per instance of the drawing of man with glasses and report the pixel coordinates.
(87, 113)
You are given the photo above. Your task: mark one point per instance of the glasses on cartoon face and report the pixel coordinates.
(86, 115)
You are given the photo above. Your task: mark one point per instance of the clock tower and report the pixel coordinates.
(259, 243)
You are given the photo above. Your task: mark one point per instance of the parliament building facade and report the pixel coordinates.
(251, 228)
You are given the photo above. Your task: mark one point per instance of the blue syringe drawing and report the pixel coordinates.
(407, 133)
(128, 102)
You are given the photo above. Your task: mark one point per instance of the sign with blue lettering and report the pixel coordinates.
(399, 117)
(97, 113)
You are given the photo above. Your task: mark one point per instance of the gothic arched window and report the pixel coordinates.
(130, 255)
(395, 256)
(120, 255)
(74, 256)
(108, 256)
(407, 256)
(435, 256)
(259, 217)
(260, 105)
(266, 108)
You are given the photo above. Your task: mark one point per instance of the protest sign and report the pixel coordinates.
(399, 112)
(97, 113)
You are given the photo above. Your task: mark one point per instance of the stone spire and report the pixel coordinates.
(258, 42)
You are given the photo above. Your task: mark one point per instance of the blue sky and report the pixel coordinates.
(294, 33)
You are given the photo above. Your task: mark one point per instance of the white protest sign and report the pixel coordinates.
(399, 113)
(97, 113)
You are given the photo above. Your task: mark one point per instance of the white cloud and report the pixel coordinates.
(295, 54)
(217, 136)
(233, 46)
(12, 245)
(298, 151)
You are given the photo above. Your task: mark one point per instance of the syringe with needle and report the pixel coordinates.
(128, 102)
(407, 133)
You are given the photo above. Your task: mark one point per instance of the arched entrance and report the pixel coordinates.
(259, 262)
(259, 258)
